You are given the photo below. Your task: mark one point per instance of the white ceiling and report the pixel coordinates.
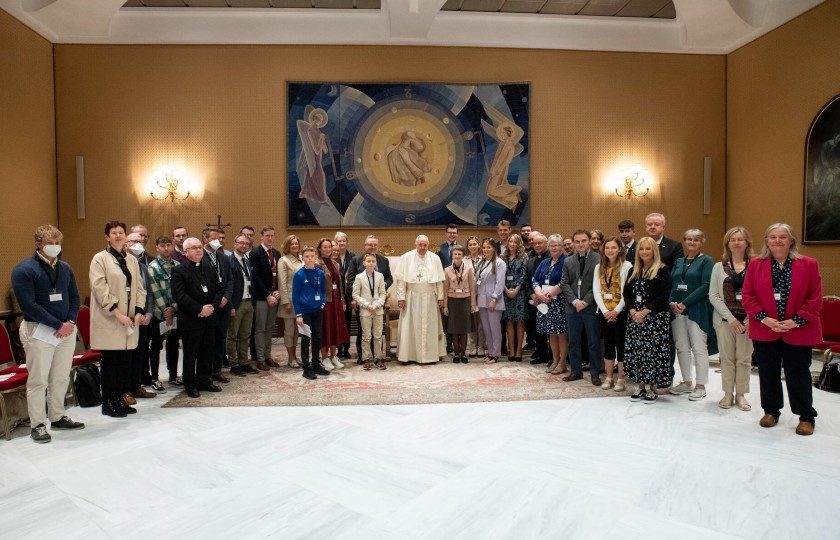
(700, 26)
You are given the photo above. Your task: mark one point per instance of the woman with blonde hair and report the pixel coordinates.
(476, 345)
(289, 263)
(516, 306)
(610, 277)
(646, 345)
(489, 282)
(334, 331)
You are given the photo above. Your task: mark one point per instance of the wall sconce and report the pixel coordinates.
(168, 184)
(633, 182)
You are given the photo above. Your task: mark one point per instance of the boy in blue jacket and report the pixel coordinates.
(309, 296)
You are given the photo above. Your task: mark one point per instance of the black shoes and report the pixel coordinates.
(308, 373)
(39, 434)
(237, 371)
(596, 381)
(575, 377)
(209, 387)
(112, 407)
(318, 368)
(128, 409)
(538, 360)
(193, 393)
(248, 369)
(67, 423)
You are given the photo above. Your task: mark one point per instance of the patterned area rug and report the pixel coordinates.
(443, 382)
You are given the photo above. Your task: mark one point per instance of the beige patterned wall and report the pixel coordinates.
(217, 112)
(27, 143)
(776, 85)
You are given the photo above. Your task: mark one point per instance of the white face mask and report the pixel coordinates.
(215, 244)
(51, 250)
(137, 248)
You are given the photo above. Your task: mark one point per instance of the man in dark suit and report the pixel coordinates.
(539, 251)
(669, 250)
(241, 308)
(581, 316)
(355, 268)
(196, 289)
(214, 253)
(446, 247)
(627, 235)
(266, 296)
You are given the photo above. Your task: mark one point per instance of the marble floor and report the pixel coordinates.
(587, 468)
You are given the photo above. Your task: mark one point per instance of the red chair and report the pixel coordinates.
(88, 357)
(14, 379)
(830, 319)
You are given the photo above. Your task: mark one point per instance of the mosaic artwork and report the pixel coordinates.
(407, 154)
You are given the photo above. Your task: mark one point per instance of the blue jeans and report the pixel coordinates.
(580, 322)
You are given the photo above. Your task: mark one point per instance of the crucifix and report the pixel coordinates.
(218, 223)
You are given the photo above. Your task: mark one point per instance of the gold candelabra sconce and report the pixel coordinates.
(634, 182)
(168, 183)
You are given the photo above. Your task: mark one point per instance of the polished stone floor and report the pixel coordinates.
(585, 468)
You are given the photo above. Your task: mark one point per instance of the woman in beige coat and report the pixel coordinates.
(117, 300)
(286, 268)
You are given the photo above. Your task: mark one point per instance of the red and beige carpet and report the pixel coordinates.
(444, 382)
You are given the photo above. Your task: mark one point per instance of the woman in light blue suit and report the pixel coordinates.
(490, 282)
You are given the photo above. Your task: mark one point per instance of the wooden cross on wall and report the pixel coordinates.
(218, 223)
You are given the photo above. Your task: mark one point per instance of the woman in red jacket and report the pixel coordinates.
(782, 294)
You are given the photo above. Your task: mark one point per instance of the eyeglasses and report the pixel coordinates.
(193, 248)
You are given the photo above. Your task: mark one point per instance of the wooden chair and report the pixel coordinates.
(14, 379)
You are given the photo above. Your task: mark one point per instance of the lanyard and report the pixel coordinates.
(485, 264)
(370, 284)
(244, 266)
(309, 279)
(687, 264)
(53, 280)
(459, 272)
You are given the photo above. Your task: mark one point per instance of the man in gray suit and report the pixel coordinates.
(581, 316)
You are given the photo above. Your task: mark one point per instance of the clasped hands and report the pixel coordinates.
(779, 326)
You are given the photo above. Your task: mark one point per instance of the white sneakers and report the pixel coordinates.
(619, 385)
(697, 394)
(680, 389)
(337, 363)
(326, 363)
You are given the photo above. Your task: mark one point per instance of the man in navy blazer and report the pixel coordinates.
(355, 268)
(446, 247)
(242, 308)
(669, 250)
(627, 234)
(264, 259)
(581, 310)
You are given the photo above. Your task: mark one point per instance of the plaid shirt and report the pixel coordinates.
(159, 272)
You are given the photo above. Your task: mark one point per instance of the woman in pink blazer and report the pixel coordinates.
(782, 295)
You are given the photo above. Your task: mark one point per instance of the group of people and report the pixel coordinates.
(624, 305)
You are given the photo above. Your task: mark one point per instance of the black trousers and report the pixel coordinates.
(531, 327)
(796, 360)
(198, 356)
(156, 344)
(139, 361)
(348, 317)
(315, 320)
(114, 371)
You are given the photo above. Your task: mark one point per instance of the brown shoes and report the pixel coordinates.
(768, 420)
(129, 399)
(143, 393)
(805, 428)
(271, 363)
(261, 366)
(575, 377)
(219, 377)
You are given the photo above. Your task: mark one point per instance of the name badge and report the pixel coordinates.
(638, 298)
(274, 274)
(128, 289)
(335, 285)
(608, 296)
(204, 287)
(247, 283)
(55, 297)
(317, 297)
(478, 282)
(777, 296)
(510, 278)
(738, 296)
(682, 287)
(459, 291)
(546, 281)
(580, 282)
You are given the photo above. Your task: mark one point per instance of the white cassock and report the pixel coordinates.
(419, 282)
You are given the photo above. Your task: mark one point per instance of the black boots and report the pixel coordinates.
(308, 373)
(318, 368)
